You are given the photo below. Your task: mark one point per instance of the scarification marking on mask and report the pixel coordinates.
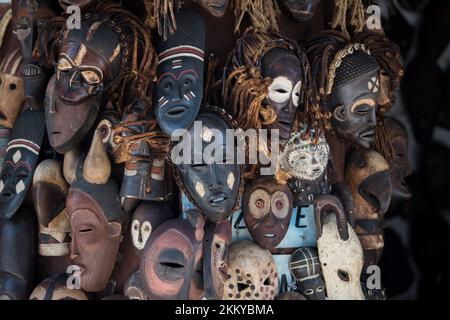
(80, 55)
(94, 27)
(115, 54)
(163, 102)
(206, 134)
(230, 180)
(187, 98)
(17, 156)
(200, 188)
(374, 85)
(20, 186)
(192, 94)
(177, 64)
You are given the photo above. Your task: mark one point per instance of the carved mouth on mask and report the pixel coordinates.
(218, 199)
(217, 8)
(368, 135)
(270, 235)
(176, 112)
(171, 265)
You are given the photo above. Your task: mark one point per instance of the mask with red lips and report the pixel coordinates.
(267, 208)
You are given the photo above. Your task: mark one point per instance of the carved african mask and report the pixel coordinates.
(16, 255)
(55, 288)
(267, 208)
(215, 259)
(179, 90)
(214, 188)
(216, 7)
(368, 177)
(20, 161)
(145, 220)
(341, 261)
(252, 273)
(301, 10)
(171, 262)
(11, 89)
(94, 211)
(354, 99)
(399, 164)
(305, 268)
(305, 159)
(284, 68)
(86, 66)
(49, 196)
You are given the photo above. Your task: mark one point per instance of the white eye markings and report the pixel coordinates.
(146, 231)
(296, 94)
(135, 229)
(230, 180)
(20, 186)
(280, 90)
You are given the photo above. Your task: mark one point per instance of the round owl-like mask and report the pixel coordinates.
(304, 159)
(145, 220)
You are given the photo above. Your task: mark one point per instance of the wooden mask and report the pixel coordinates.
(301, 10)
(215, 7)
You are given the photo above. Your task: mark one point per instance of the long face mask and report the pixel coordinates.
(55, 289)
(341, 261)
(171, 262)
(305, 268)
(252, 273)
(215, 259)
(86, 65)
(179, 90)
(399, 164)
(284, 68)
(49, 196)
(267, 208)
(16, 256)
(20, 161)
(12, 94)
(94, 211)
(354, 99)
(216, 7)
(212, 184)
(368, 177)
(301, 10)
(145, 220)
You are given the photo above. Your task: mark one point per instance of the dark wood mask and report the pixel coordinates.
(217, 8)
(302, 11)
(368, 177)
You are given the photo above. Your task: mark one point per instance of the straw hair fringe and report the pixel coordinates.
(263, 14)
(346, 10)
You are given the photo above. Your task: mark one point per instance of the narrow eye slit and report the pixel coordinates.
(172, 265)
(86, 230)
(281, 91)
(242, 286)
(343, 275)
(267, 282)
(199, 166)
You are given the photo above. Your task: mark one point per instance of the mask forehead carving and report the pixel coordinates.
(305, 268)
(214, 188)
(20, 161)
(216, 7)
(267, 208)
(342, 262)
(170, 261)
(11, 89)
(179, 90)
(252, 273)
(301, 10)
(94, 212)
(145, 220)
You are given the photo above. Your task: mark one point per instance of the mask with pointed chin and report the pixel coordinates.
(171, 262)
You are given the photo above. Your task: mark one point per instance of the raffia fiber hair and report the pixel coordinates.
(348, 12)
(263, 14)
(138, 63)
(161, 16)
(245, 91)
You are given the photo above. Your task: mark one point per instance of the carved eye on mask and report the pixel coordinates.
(91, 77)
(280, 205)
(140, 233)
(280, 90)
(259, 204)
(64, 65)
(296, 94)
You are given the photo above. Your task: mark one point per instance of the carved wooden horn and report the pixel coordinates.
(97, 167)
(329, 204)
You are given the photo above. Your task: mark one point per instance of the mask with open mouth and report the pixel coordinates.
(215, 259)
(145, 220)
(301, 10)
(354, 98)
(179, 90)
(368, 177)
(216, 7)
(252, 273)
(213, 185)
(11, 89)
(267, 209)
(21, 158)
(95, 217)
(305, 268)
(171, 263)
